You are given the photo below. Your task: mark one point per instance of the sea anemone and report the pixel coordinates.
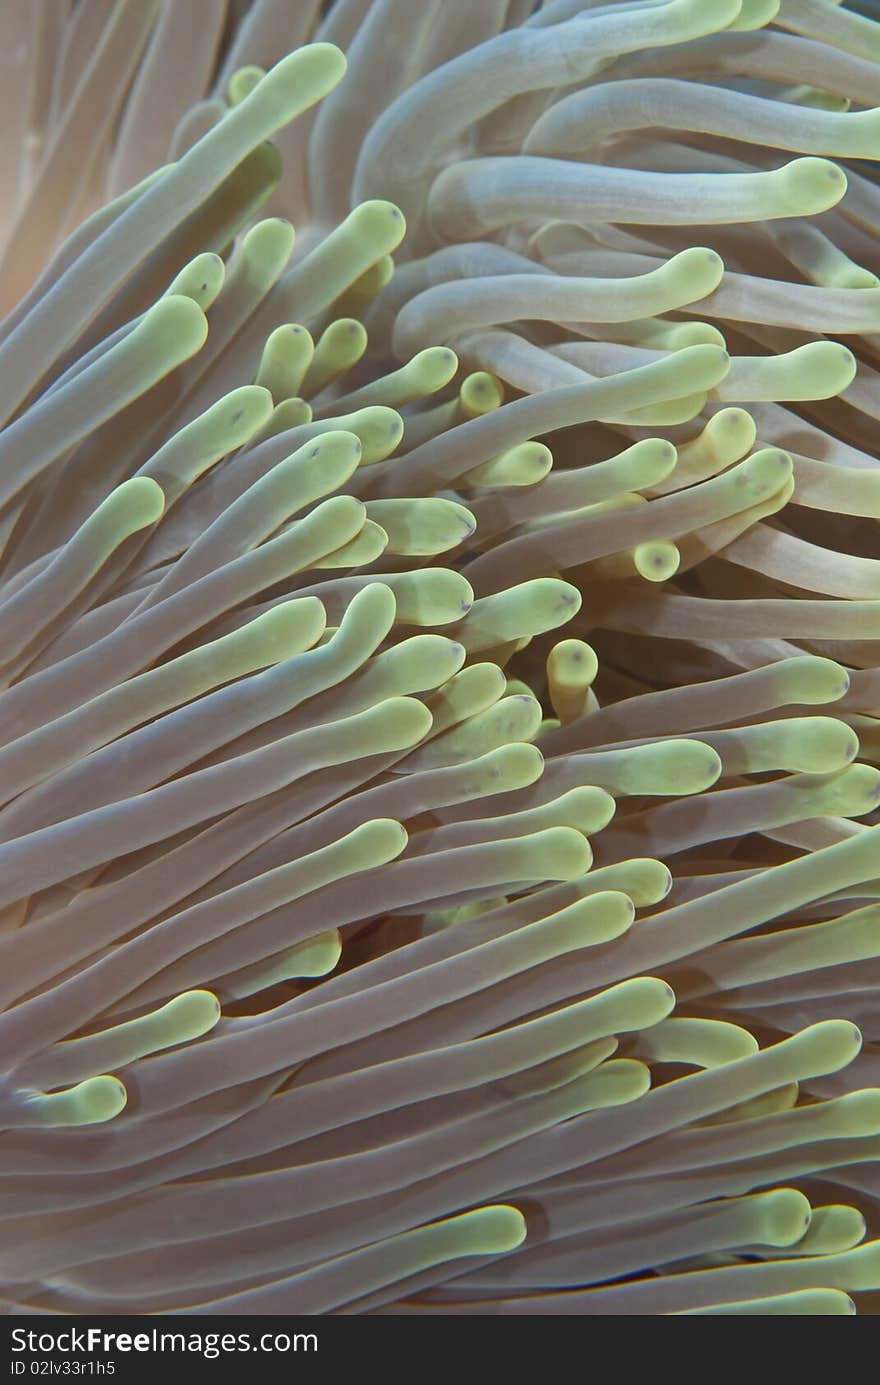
(439, 625)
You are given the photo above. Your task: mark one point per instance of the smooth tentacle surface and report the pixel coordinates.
(440, 657)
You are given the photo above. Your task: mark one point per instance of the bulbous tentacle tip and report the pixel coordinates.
(92, 1102)
(812, 185)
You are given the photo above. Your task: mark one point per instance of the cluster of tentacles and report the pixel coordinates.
(440, 707)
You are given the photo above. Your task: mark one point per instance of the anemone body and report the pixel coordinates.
(439, 631)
